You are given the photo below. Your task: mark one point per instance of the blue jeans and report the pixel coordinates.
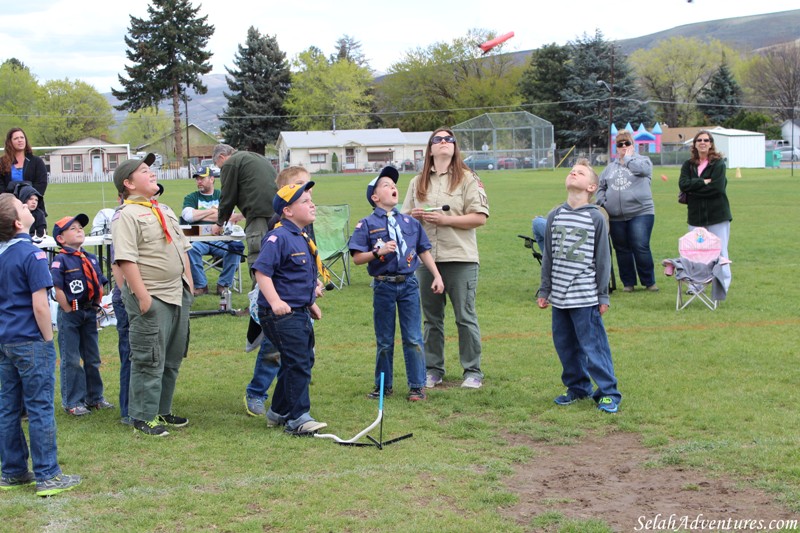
(77, 340)
(124, 347)
(539, 225)
(28, 377)
(231, 253)
(266, 368)
(293, 336)
(404, 296)
(631, 240)
(582, 345)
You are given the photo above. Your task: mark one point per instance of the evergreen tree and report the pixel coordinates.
(168, 55)
(719, 100)
(255, 114)
(598, 75)
(349, 48)
(544, 79)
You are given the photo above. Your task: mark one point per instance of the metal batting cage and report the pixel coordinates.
(506, 140)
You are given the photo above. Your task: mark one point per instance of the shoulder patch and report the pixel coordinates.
(358, 226)
(41, 256)
(272, 238)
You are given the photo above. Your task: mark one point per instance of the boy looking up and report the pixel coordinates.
(286, 273)
(576, 266)
(393, 245)
(150, 249)
(27, 359)
(79, 289)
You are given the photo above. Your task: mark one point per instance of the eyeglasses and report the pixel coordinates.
(623, 143)
(702, 140)
(448, 139)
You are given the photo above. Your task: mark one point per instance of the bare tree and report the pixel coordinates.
(775, 79)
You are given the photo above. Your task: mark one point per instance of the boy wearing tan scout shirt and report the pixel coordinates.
(150, 249)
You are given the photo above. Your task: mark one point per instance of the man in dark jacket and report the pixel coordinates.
(248, 182)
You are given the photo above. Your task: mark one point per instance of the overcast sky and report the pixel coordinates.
(84, 39)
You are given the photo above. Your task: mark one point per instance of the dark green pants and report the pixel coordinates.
(159, 341)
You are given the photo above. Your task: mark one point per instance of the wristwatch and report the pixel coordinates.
(376, 254)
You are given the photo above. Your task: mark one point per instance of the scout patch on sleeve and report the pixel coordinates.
(41, 256)
(481, 191)
(272, 238)
(358, 226)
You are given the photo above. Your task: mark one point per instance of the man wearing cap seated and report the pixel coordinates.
(201, 207)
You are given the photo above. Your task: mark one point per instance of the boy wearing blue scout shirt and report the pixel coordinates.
(78, 281)
(393, 246)
(27, 359)
(286, 273)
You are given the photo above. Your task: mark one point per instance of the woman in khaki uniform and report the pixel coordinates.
(446, 180)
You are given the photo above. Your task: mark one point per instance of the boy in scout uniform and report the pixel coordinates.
(150, 249)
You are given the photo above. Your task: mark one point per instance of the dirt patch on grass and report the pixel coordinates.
(608, 478)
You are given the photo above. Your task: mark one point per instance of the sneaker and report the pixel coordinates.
(608, 404)
(9, 483)
(152, 428)
(306, 428)
(254, 406)
(431, 380)
(568, 398)
(56, 485)
(78, 410)
(416, 395)
(376, 393)
(172, 420)
(627, 289)
(653, 288)
(128, 421)
(102, 404)
(200, 291)
(472, 383)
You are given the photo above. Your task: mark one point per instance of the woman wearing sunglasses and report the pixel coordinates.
(624, 192)
(446, 180)
(704, 182)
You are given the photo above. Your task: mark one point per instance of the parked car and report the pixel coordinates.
(481, 161)
(210, 163)
(790, 153)
(507, 163)
(408, 164)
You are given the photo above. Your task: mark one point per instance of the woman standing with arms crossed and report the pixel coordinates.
(704, 182)
(625, 194)
(19, 164)
(446, 180)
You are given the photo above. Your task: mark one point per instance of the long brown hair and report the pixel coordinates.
(9, 153)
(456, 169)
(713, 155)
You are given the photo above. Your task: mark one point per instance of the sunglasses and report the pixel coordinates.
(702, 140)
(448, 139)
(623, 143)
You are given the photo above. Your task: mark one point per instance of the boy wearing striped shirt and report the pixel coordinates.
(576, 266)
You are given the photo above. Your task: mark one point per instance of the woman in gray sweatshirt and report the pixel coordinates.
(625, 194)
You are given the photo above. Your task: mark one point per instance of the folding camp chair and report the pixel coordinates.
(331, 231)
(697, 269)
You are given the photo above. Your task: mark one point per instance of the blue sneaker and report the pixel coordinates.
(568, 398)
(608, 404)
(254, 406)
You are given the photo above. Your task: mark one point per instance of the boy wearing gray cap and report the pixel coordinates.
(150, 249)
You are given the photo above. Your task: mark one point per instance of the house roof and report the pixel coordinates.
(171, 134)
(339, 138)
(89, 143)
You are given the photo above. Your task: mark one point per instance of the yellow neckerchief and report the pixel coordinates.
(153, 205)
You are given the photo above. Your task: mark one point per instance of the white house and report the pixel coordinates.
(87, 157)
(743, 149)
(791, 132)
(355, 150)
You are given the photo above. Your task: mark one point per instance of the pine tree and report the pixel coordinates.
(599, 73)
(255, 115)
(168, 55)
(543, 81)
(719, 100)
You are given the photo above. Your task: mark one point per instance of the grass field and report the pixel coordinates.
(716, 391)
